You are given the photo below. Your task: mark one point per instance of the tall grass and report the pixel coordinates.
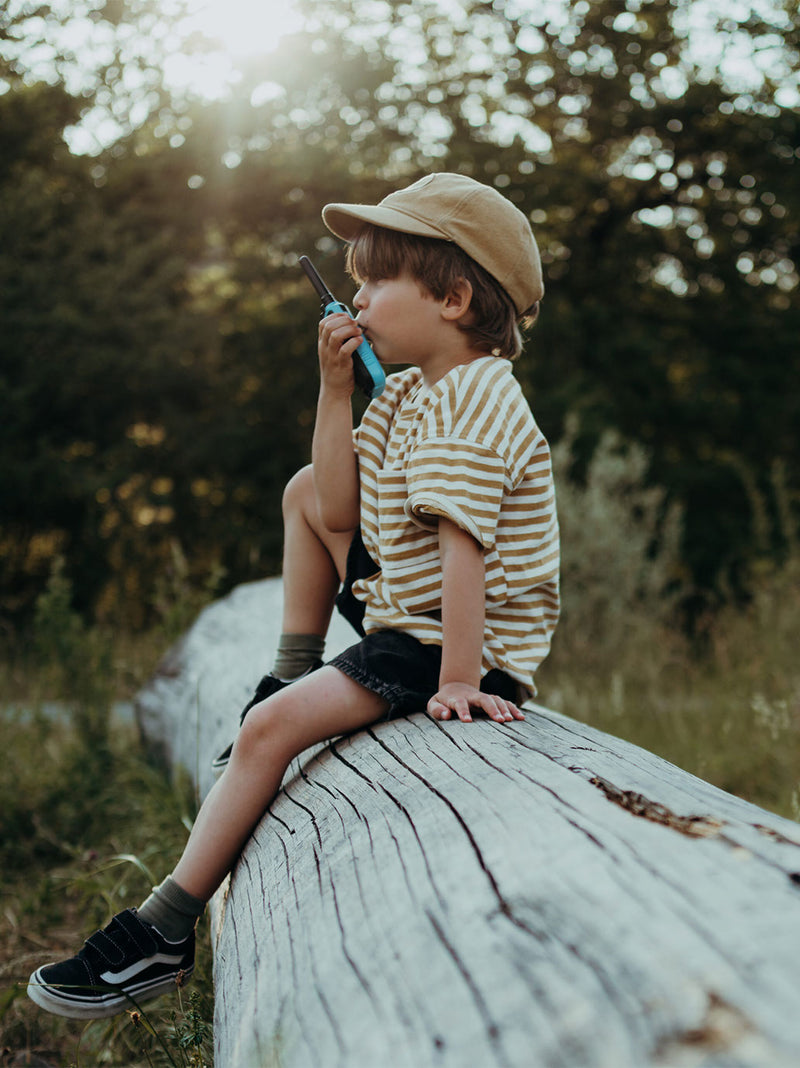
(87, 826)
(724, 705)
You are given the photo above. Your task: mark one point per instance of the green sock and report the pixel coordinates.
(171, 910)
(296, 654)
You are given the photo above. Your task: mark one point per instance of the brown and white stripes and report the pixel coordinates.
(467, 449)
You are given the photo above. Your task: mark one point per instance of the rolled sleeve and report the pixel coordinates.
(459, 480)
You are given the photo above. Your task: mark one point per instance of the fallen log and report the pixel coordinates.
(533, 895)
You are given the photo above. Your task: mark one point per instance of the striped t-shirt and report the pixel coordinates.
(468, 449)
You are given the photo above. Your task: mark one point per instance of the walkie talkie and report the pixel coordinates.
(368, 372)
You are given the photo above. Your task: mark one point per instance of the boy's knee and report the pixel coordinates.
(298, 494)
(268, 724)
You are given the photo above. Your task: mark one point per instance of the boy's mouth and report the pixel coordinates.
(368, 335)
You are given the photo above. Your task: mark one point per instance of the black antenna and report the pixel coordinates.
(325, 294)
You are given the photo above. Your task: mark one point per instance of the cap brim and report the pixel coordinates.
(345, 220)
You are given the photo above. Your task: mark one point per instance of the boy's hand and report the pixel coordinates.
(339, 337)
(458, 697)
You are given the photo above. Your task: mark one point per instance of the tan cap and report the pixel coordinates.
(456, 208)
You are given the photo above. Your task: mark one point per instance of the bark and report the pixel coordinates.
(527, 896)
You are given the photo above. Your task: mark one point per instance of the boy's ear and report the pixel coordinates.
(457, 302)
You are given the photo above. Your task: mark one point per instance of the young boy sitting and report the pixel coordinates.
(436, 517)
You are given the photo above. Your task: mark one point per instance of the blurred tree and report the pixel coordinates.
(162, 271)
(97, 352)
(110, 55)
(159, 349)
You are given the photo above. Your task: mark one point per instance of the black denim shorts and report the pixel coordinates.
(391, 663)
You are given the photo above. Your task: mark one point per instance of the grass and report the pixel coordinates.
(737, 737)
(725, 704)
(87, 826)
(79, 843)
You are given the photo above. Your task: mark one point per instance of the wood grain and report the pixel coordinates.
(540, 894)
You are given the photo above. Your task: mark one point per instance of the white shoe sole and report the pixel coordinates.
(76, 1007)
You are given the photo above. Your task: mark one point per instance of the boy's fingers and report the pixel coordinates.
(438, 710)
(499, 710)
(343, 346)
(335, 319)
(492, 709)
(462, 710)
(348, 347)
(495, 707)
(339, 326)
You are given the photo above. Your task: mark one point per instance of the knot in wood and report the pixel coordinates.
(639, 805)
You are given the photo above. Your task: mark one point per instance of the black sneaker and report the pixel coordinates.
(266, 688)
(119, 967)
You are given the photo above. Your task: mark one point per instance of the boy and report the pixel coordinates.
(437, 515)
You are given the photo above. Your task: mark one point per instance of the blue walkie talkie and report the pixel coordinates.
(368, 372)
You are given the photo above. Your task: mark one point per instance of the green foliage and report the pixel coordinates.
(157, 368)
(69, 796)
(90, 326)
(193, 1033)
(63, 876)
(621, 574)
(73, 659)
(724, 705)
(177, 600)
(59, 633)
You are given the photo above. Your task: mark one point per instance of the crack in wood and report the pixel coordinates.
(309, 812)
(639, 805)
(432, 881)
(348, 956)
(565, 805)
(504, 907)
(277, 819)
(692, 826)
(492, 1029)
(410, 887)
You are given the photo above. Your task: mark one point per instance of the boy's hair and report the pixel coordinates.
(492, 325)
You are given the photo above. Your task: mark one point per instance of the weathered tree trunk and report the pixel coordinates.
(470, 896)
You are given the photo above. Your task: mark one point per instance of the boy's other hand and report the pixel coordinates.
(460, 698)
(339, 337)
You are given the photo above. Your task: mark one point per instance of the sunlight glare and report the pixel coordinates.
(242, 29)
(246, 27)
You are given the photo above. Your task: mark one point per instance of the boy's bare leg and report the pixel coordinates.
(318, 707)
(314, 560)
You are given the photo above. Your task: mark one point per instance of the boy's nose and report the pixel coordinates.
(359, 300)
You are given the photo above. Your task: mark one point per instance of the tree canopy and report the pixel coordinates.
(157, 354)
